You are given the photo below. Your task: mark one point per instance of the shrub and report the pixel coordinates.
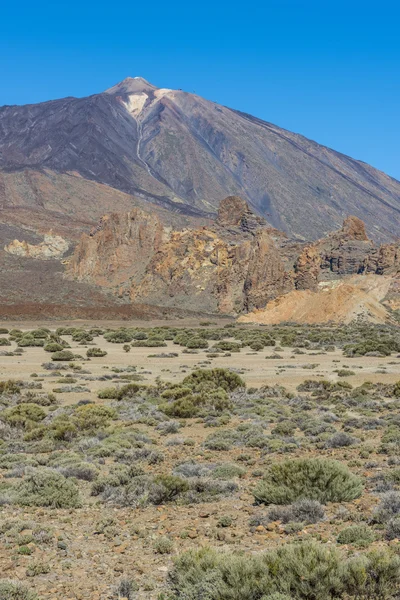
(63, 355)
(228, 471)
(389, 507)
(393, 529)
(4, 342)
(257, 346)
(221, 378)
(168, 427)
(92, 417)
(149, 343)
(126, 589)
(82, 336)
(29, 340)
(163, 545)
(341, 440)
(10, 387)
(302, 571)
(110, 393)
(140, 335)
(313, 478)
(153, 490)
(45, 487)
(307, 511)
(224, 346)
(15, 590)
(192, 405)
(128, 391)
(358, 535)
(302, 511)
(344, 372)
(37, 568)
(53, 347)
(376, 346)
(84, 471)
(171, 486)
(203, 392)
(196, 342)
(95, 352)
(119, 393)
(24, 415)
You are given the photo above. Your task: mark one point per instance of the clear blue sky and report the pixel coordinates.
(327, 69)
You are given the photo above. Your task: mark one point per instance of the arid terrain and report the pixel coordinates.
(131, 452)
(147, 202)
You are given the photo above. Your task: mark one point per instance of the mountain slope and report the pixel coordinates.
(187, 153)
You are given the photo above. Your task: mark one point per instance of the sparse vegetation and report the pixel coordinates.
(314, 478)
(137, 460)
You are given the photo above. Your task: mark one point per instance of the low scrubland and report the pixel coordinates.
(202, 487)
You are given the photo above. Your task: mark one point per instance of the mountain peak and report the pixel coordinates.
(131, 85)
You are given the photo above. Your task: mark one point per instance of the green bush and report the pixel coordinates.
(4, 342)
(45, 487)
(140, 335)
(223, 378)
(82, 336)
(224, 346)
(92, 417)
(41, 333)
(201, 403)
(37, 568)
(302, 571)
(96, 352)
(10, 386)
(110, 393)
(53, 347)
(144, 490)
(257, 346)
(30, 340)
(383, 346)
(163, 545)
(314, 478)
(15, 590)
(118, 337)
(358, 535)
(23, 415)
(196, 342)
(203, 392)
(63, 355)
(149, 343)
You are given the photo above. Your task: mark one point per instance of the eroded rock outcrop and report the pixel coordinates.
(227, 268)
(52, 247)
(235, 265)
(343, 252)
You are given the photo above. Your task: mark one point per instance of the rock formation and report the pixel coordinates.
(53, 246)
(230, 267)
(234, 265)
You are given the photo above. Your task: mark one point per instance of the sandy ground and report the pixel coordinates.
(255, 367)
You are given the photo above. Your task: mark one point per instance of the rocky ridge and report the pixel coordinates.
(347, 251)
(233, 266)
(229, 267)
